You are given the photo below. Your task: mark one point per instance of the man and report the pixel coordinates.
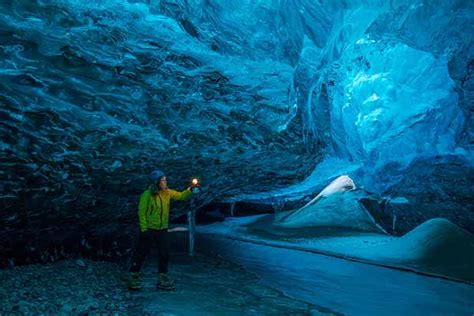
(153, 215)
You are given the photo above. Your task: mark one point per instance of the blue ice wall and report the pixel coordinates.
(391, 67)
(394, 104)
(387, 86)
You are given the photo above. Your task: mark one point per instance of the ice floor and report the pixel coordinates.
(231, 277)
(436, 247)
(346, 287)
(208, 285)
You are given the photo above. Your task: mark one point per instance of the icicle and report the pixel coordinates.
(232, 207)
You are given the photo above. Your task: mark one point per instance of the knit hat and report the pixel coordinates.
(156, 175)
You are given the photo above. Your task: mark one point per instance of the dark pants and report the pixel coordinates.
(145, 242)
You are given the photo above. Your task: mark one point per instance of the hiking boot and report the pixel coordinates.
(165, 283)
(134, 281)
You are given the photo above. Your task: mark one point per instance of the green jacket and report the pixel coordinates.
(154, 211)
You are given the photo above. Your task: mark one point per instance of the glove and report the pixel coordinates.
(195, 188)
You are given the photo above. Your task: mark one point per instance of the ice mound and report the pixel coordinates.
(337, 210)
(437, 246)
(336, 206)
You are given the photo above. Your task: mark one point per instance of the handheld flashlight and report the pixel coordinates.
(195, 187)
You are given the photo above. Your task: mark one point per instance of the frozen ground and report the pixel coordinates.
(205, 286)
(67, 287)
(436, 247)
(346, 287)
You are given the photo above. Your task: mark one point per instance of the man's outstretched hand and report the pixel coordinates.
(194, 188)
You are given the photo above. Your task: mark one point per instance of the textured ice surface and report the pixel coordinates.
(387, 88)
(250, 96)
(395, 104)
(385, 92)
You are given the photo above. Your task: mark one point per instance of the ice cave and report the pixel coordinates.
(237, 157)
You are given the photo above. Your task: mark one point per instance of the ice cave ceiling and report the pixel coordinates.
(250, 96)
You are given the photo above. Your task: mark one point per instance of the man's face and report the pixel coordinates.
(163, 183)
